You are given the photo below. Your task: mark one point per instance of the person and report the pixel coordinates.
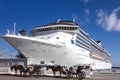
(79, 69)
(71, 70)
(91, 71)
(16, 68)
(31, 69)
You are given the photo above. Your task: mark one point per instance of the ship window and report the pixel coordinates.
(67, 28)
(56, 28)
(64, 28)
(60, 28)
(72, 28)
(57, 37)
(49, 29)
(52, 62)
(42, 62)
(45, 29)
(41, 29)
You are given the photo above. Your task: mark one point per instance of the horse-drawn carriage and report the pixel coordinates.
(32, 70)
(35, 70)
(75, 71)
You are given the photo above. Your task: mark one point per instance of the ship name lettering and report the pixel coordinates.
(45, 44)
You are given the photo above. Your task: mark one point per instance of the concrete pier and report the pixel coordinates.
(104, 75)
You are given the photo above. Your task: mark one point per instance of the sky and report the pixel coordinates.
(99, 18)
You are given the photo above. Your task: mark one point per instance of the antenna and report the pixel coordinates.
(73, 19)
(58, 20)
(14, 28)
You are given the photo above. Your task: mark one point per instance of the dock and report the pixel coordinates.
(105, 76)
(102, 75)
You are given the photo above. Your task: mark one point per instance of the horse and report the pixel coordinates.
(17, 67)
(24, 70)
(56, 68)
(36, 72)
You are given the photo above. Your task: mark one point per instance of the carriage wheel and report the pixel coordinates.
(69, 75)
(36, 75)
(39, 73)
(81, 75)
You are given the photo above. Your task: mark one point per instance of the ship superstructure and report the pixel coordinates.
(61, 43)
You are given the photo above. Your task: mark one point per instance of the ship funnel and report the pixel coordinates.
(99, 42)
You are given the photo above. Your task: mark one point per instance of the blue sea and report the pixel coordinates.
(115, 69)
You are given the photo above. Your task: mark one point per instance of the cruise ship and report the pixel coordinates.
(60, 43)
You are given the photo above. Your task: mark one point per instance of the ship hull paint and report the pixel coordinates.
(100, 65)
(37, 51)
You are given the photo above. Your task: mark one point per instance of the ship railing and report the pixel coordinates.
(10, 32)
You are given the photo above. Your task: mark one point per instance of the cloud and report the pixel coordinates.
(110, 22)
(84, 17)
(87, 11)
(75, 17)
(1, 34)
(85, 1)
(78, 19)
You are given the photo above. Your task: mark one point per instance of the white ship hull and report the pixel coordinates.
(39, 50)
(100, 65)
